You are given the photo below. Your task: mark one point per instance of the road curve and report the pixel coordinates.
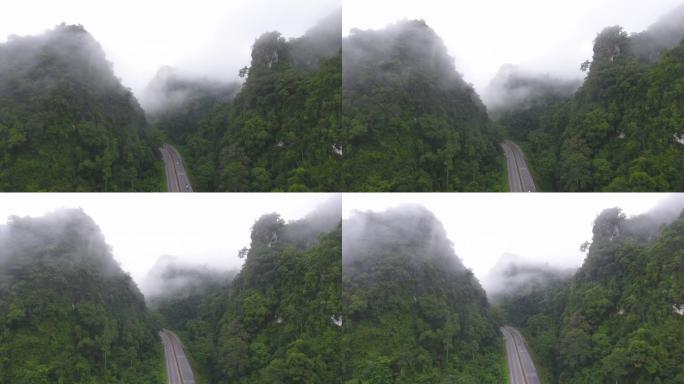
(520, 365)
(519, 177)
(177, 366)
(176, 178)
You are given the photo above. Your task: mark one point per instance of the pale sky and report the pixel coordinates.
(205, 37)
(550, 36)
(206, 229)
(546, 227)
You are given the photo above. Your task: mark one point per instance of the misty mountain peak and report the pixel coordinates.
(411, 230)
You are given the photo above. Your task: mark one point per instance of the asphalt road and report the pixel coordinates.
(519, 177)
(177, 365)
(176, 178)
(520, 365)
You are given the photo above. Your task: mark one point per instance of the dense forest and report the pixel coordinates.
(68, 313)
(413, 312)
(409, 120)
(619, 318)
(278, 320)
(66, 123)
(622, 129)
(279, 131)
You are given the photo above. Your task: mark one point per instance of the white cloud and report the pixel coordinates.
(538, 227)
(206, 37)
(197, 228)
(549, 36)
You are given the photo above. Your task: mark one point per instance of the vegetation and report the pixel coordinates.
(622, 129)
(279, 132)
(66, 123)
(410, 122)
(413, 312)
(68, 313)
(618, 319)
(276, 321)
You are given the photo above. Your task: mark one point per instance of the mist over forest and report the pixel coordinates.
(278, 131)
(276, 320)
(66, 123)
(616, 317)
(619, 130)
(413, 312)
(409, 120)
(69, 313)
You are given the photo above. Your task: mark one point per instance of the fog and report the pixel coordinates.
(59, 240)
(403, 229)
(542, 229)
(543, 37)
(171, 276)
(412, 38)
(211, 38)
(514, 87)
(515, 274)
(200, 231)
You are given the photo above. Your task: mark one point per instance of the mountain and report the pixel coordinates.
(68, 313)
(622, 129)
(66, 123)
(276, 321)
(620, 317)
(410, 121)
(412, 312)
(280, 131)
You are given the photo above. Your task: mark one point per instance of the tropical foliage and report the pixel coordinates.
(413, 312)
(409, 121)
(68, 313)
(66, 123)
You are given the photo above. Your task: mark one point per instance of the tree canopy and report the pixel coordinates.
(68, 313)
(413, 312)
(66, 123)
(622, 129)
(409, 121)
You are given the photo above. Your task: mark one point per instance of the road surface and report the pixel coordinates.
(519, 177)
(176, 177)
(177, 365)
(520, 366)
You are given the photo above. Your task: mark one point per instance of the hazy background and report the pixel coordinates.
(546, 36)
(209, 229)
(545, 228)
(203, 37)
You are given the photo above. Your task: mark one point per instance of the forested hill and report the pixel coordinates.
(281, 131)
(278, 320)
(68, 313)
(66, 123)
(413, 312)
(410, 122)
(621, 317)
(622, 130)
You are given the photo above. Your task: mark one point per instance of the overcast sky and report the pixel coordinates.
(206, 37)
(547, 227)
(550, 36)
(205, 229)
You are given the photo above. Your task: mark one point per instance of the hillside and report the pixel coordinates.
(619, 318)
(279, 132)
(413, 312)
(68, 313)
(276, 321)
(409, 119)
(622, 129)
(66, 123)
